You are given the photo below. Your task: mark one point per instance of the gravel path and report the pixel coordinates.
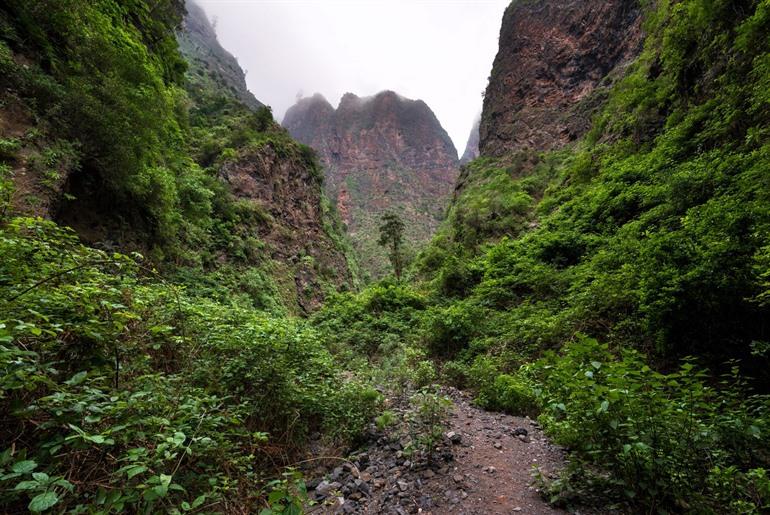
(484, 466)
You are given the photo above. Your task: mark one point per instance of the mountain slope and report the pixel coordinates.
(286, 224)
(379, 154)
(199, 45)
(606, 258)
(86, 150)
(156, 237)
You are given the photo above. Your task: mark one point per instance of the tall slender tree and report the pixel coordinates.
(392, 237)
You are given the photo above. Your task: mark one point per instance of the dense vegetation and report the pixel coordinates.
(650, 235)
(618, 289)
(125, 392)
(168, 382)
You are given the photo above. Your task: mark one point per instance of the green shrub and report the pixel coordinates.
(663, 441)
(386, 419)
(448, 330)
(456, 277)
(381, 318)
(424, 374)
(510, 394)
(427, 421)
(455, 374)
(9, 148)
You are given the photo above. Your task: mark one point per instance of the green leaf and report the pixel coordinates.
(179, 438)
(596, 365)
(41, 477)
(199, 501)
(24, 467)
(77, 379)
(64, 484)
(43, 501)
(135, 470)
(27, 485)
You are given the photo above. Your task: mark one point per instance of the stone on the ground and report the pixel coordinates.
(454, 437)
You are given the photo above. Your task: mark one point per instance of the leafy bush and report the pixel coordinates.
(510, 394)
(128, 394)
(8, 148)
(455, 374)
(664, 441)
(376, 321)
(427, 421)
(448, 330)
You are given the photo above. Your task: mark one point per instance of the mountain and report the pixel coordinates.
(209, 182)
(607, 257)
(264, 169)
(379, 153)
(553, 69)
(472, 147)
(212, 64)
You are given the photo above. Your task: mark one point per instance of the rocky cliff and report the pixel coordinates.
(555, 62)
(212, 64)
(275, 181)
(472, 147)
(204, 183)
(379, 153)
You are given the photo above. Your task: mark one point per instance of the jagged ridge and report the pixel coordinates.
(380, 153)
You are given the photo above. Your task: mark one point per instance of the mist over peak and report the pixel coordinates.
(442, 53)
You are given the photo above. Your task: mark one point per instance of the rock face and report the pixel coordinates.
(379, 153)
(555, 59)
(285, 193)
(275, 181)
(472, 147)
(199, 45)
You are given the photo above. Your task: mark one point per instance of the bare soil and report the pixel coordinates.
(486, 465)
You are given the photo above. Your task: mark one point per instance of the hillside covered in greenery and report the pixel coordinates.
(182, 324)
(618, 287)
(149, 362)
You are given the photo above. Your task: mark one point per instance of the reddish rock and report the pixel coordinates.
(288, 194)
(554, 59)
(379, 153)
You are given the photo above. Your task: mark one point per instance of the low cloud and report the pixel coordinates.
(437, 51)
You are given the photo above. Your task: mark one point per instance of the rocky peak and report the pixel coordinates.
(551, 70)
(472, 147)
(311, 121)
(383, 152)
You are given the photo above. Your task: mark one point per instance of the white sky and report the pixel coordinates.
(437, 51)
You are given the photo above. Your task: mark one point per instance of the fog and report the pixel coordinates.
(440, 52)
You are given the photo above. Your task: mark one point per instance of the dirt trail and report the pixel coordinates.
(495, 461)
(486, 467)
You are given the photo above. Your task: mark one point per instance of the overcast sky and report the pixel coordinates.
(437, 51)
